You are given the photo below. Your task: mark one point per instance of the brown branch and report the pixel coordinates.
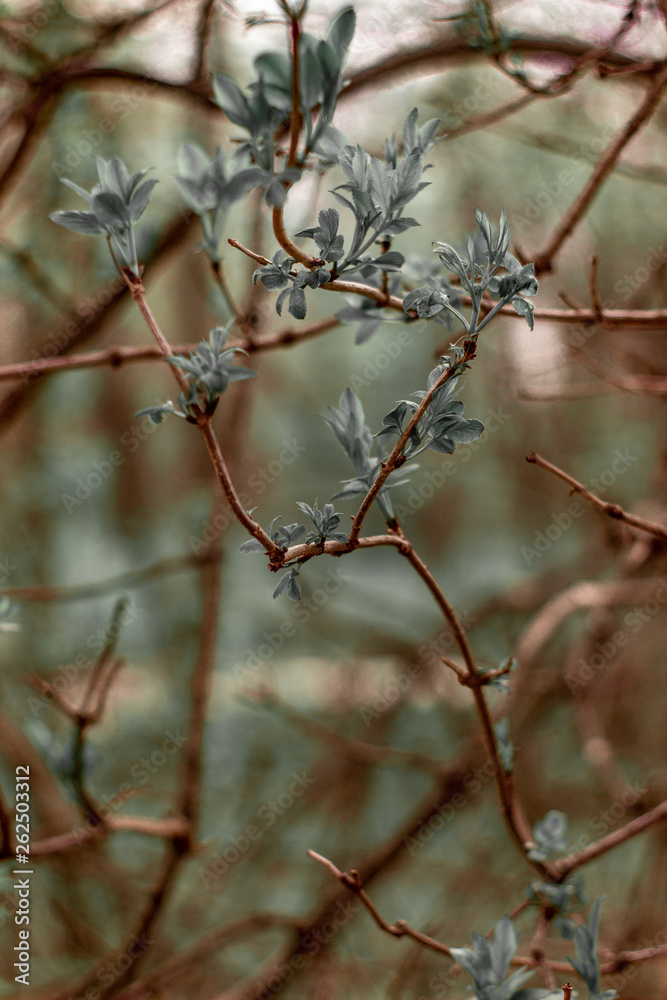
(543, 260)
(114, 357)
(611, 509)
(74, 838)
(351, 287)
(400, 929)
(564, 866)
(203, 422)
(594, 290)
(86, 591)
(356, 750)
(395, 459)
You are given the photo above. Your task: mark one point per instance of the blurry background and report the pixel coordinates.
(100, 505)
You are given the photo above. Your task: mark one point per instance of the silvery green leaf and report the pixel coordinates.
(525, 309)
(293, 589)
(78, 222)
(78, 190)
(140, 199)
(504, 948)
(392, 260)
(400, 225)
(231, 100)
(297, 303)
(254, 545)
(341, 32)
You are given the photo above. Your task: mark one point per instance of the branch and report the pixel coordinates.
(543, 260)
(395, 458)
(565, 866)
(400, 929)
(137, 290)
(135, 577)
(611, 509)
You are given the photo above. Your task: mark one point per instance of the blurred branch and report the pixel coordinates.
(581, 595)
(400, 929)
(357, 750)
(565, 866)
(543, 260)
(86, 591)
(174, 236)
(611, 509)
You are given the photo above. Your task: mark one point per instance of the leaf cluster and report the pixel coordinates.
(209, 370)
(477, 265)
(442, 425)
(586, 950)
(115, 204)
(488, 962)
(268, 103)
(349, 425)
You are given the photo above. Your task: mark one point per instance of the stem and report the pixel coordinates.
(295, 114)
(286, 243)
(389, 464)
(219, 275)
(204, 423)
(612, 509)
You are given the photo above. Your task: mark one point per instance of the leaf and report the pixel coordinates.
(78, 190)
(110, 210)
(525, 309)
(140, 199)
(289, 585)
(341, 32)
(504, 947)
(392, 260)
(254, 545)
(297, 303)
(78, 222)
(426, 301)
(230, 98)
(505, 746)
(400, 225)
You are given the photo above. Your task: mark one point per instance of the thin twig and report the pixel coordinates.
(613, 510)
(543, 260)
(400, 929)
(564, 866)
